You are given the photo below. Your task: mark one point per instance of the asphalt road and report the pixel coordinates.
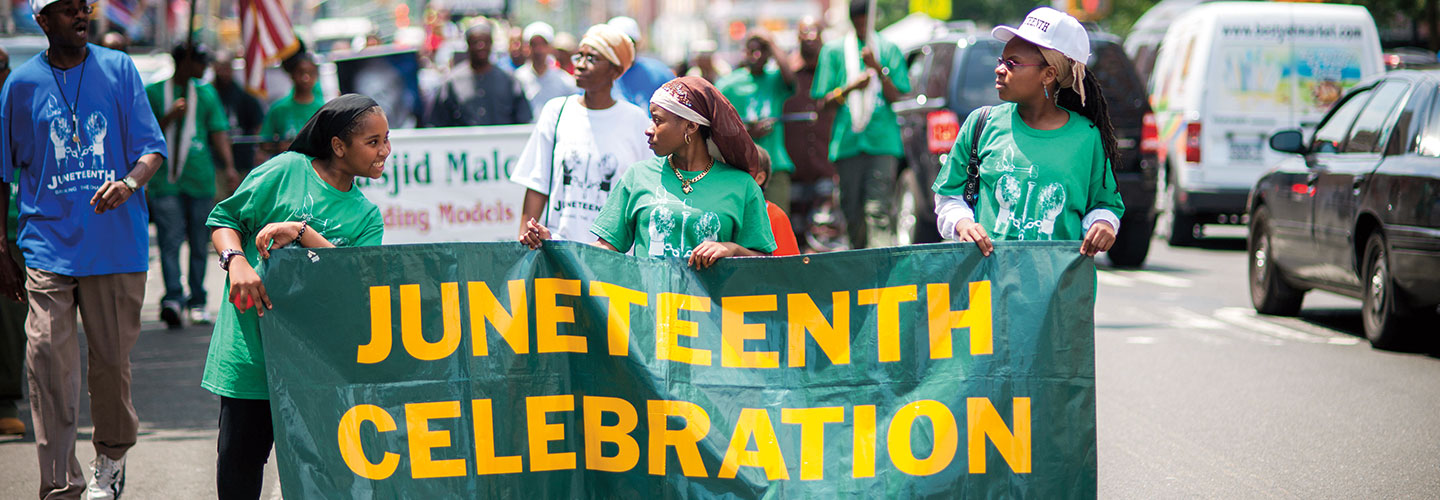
(1197, 397)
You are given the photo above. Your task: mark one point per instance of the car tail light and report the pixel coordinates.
(1192, 142)
(941, 129)
(1149, 135)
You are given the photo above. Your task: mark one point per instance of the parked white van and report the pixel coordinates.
(1228, 75)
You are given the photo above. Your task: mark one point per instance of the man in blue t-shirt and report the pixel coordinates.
(78, 137)
(645, 75)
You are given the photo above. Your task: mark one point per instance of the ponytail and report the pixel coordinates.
(1094, 107)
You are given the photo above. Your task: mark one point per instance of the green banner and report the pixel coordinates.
(489, 370)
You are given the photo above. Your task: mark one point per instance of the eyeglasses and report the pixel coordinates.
(590, 59)
(85, 9)
(1010, 64)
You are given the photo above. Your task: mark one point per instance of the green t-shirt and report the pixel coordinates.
(648, 206)
(882, 135)
(1034, 184)
(287, 117)
(757, 99)
(284, 189)
(198, 177)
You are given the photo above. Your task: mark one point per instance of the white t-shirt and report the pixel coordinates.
(595, 147)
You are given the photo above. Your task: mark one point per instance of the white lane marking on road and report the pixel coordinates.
(1155, 278)
(1199, 326)
(1141, 340)
(1108, 278)
(1197, 323)
(1245, 317)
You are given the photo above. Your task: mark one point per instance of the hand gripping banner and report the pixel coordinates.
(469, 370)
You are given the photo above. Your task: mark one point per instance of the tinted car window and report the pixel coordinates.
(1124, 92)
(1365, 136)
(1331, 134)
(938, 78)
(976, 76)
(1429, 142)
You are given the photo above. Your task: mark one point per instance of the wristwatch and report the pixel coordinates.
(130, 183)
(226, 255)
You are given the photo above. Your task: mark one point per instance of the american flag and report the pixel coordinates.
(266, 33)
(122, 12)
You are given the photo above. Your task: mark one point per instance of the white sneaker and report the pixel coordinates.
(108, 480)
(199, 316)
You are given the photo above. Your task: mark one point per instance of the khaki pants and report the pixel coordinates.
(110, 307)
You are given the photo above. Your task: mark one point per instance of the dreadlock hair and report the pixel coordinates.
(1088, 102)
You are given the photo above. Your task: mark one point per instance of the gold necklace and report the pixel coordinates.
(685, 183)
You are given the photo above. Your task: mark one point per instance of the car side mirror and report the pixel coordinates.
(1288, 141)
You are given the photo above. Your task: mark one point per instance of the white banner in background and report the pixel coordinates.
(450, 184)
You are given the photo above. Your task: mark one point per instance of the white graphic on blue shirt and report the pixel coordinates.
(1031, 213)
(80, 163)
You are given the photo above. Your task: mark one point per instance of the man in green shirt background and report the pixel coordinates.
(758, 93)
(183, 192)
(863, 74)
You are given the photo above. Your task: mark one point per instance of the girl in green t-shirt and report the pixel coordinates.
(697, 200)
(288, 114)
(1045, 155)
(306, 197)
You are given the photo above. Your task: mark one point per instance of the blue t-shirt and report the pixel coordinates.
(60, 160)
(642, 80)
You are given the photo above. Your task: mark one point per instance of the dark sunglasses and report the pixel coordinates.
(1010, 64)
(590, 59)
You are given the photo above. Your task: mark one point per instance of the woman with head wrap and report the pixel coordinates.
(697, 200)
(305, 197)
(1045, 156)
(582, 144)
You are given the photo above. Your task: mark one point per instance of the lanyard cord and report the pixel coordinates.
(74, 120)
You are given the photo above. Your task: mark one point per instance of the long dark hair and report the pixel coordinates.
(1098, 112)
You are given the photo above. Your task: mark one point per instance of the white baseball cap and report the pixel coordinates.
(628, 26)
(37, 5)
(1051, 29)
(540, 29)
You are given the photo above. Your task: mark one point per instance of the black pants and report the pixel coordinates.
(246, 436)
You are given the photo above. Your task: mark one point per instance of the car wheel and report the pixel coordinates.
(1381, 312)
(1268, 290)
(1178, 229)
(911, 226)
(1132, 245)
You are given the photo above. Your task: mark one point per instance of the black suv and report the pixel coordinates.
(954, 73)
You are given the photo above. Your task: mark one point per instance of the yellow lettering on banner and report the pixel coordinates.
(942, 452)
(596, 434)
(754, 422)
(734, 331)
(422, 439)
(513, 325)
(486, 462)
(380, 330)
(887, 316)
(413, 334)
(351, 448)
(984, 422)
(543, 433)
(812, 436)
(943, 321)
(685, 440)
(833, 339)
(549, 314)
(669, 327)
(864, 465)
(621, 299)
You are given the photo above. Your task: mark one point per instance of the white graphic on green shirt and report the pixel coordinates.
(306, 213)
(1025, 206)
(677, 238)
